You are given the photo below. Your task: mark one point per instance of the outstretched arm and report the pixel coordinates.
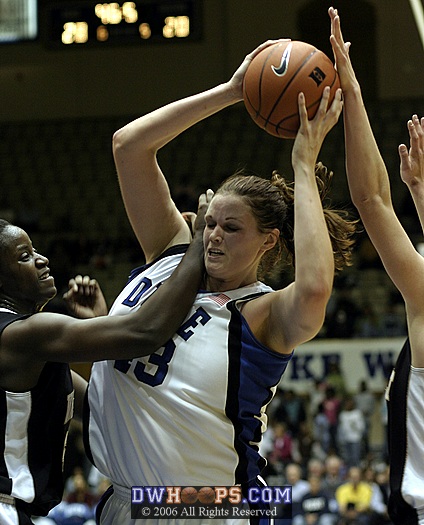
(369, 182)
(412, 164)
(153, 215)
(370, 190)
(54, 337)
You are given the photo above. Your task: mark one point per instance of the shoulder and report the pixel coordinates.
(19, 368)
(7, 317)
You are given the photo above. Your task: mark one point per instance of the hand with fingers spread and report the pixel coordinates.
(341, 48)
(412, 164)
(312, 132)
(412, 160)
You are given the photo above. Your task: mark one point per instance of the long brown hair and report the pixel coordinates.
(272, 204)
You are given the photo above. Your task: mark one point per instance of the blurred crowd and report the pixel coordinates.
(321, 445)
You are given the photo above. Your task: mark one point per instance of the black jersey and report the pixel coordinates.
(33, 430)
(400, 512)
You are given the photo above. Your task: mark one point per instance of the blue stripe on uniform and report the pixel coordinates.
(253, 371)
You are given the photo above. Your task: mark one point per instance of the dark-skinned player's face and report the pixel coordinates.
(24, 274)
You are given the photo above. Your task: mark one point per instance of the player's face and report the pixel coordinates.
(24, 275)
(233, 244)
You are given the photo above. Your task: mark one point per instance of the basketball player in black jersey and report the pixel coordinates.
(36, 388)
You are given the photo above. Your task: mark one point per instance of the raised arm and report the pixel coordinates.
(298, 311)
(412, 164)
(153, 215)
(369, 183)
(370, 190)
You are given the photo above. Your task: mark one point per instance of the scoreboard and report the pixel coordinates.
(72, 24)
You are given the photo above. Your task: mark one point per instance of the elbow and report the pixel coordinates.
(120, 140)
(318, 293)
(372, 196)
(130, 141)
(321, 293)
(365, 200)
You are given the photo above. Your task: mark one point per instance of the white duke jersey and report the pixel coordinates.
(192, 413)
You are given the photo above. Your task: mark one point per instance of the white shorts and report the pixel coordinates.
(8, 514)
(413, 479)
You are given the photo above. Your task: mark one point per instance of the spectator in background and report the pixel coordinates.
(334, 475)
(316, 395)
(315, 467)
(303, 444)
(70, 514)
(354, 499)
(321, 431)
(343, 311)
(81, 492)
(335, 379)
(369, 324)
(314, 507)
(380, 496)
(351, 432)
(331, 405)
(292, 411)
(282, 450)
(300, 486)
(365, 402)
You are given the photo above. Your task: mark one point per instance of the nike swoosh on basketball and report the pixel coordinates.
(281, 70)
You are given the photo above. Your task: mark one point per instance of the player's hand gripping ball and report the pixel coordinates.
(277, 75)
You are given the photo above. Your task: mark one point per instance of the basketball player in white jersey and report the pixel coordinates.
(194, 412)
(370, 190)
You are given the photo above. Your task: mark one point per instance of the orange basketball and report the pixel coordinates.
(189, 495)
(277, 75)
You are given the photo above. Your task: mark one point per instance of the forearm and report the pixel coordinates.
(154, 130)
(54, 337)
(314, 268)
(153, 215)
(168, 306)
(366, 172)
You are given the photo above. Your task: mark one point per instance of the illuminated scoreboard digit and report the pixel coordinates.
(84, 23)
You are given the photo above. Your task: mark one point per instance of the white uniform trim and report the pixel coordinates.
(8, 514)
(413, 479)
(16, 438)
